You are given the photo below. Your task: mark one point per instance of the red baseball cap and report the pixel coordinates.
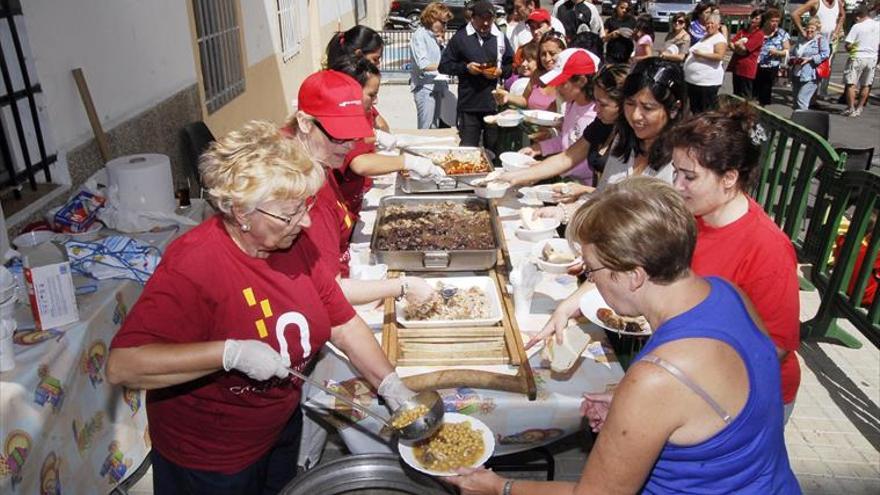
(336, 100)
(571, 62)
(539, 16)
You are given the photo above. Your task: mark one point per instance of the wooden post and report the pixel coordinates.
(97, 130)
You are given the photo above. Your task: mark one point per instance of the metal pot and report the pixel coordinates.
(366, 474)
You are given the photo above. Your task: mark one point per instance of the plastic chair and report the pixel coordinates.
(857, 158)
(196, 139)
(813, 120)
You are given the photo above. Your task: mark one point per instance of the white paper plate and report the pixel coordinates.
(486, 284)
(406, 450)
(591, 302)
(542, 117)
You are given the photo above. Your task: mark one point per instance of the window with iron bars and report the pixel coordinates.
(219, 38)
(289, 26)
(360, 9)
(26, 150)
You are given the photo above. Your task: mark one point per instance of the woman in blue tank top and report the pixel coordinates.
(691, 415)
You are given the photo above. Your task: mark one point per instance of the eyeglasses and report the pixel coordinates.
(327, 134)
(307, 206)
(680, 21)
(588, 274)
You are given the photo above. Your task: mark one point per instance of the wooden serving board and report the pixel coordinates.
(493, 345)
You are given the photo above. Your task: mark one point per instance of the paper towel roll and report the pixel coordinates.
(144, 182)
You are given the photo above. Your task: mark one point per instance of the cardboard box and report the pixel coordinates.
(50, 287)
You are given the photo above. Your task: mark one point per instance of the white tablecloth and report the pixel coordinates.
(518, 424)
(63, 427)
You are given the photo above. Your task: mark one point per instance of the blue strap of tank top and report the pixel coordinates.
(678, 374)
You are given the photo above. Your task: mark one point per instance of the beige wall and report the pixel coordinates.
(272, 83)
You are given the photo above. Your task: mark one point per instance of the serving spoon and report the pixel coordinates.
(420, 428)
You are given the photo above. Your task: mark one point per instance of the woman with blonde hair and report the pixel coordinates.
(806, 57)
(699, 411)
(425, 46)
(220, 321)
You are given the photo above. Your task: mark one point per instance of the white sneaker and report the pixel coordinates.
(857, 112)
(848, 112)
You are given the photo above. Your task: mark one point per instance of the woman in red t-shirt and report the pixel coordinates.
(746, 46)
(329, 101)
(715, 156)
(363, 162)
(222, 319)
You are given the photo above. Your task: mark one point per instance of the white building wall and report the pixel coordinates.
(134, 53)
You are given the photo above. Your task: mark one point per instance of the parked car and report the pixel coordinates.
(735, 13)
(661, 11)
(404, 14)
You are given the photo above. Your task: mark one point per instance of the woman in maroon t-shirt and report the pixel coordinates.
(221, 320)
(746, 46)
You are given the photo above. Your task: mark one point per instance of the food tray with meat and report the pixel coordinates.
(458, 302)
(461, 163)
(435, 233)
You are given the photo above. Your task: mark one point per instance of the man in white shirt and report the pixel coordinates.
(862, 44)
(520, 34)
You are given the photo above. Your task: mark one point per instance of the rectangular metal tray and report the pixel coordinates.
(452, 183)
(435, 261)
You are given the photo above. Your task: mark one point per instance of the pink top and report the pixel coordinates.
(539, 100)
(577, 118)
(644, 41)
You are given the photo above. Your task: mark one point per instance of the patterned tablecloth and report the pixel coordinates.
(63, 427)
(518, 424)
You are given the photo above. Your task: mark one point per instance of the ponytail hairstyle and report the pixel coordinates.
(356, 42)
(725, 139)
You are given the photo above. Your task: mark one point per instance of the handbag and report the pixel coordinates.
(823, 70)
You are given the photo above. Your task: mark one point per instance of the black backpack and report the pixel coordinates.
(576, 18)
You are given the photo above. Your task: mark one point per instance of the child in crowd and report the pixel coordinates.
(538, 96)
(643, 34)
(517, 83)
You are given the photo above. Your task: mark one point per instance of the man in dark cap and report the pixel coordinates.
(480, 55)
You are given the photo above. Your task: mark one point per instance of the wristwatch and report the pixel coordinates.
(404, 287)
(508, 486)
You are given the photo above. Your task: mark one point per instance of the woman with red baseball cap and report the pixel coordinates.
(571, 77)
(330, 120)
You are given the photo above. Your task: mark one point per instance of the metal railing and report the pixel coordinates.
(396, 56)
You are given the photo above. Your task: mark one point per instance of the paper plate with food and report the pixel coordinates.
(461, 442)
(555, 256)
(458, 302)
(594, 307)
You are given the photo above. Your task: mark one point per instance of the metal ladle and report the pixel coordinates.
(422, 427)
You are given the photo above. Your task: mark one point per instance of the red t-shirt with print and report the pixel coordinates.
(207, 289)
(759, 258)
(331, 228)
(353, 186)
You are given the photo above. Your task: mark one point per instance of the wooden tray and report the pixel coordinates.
(499, 344)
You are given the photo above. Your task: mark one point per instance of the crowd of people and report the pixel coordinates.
(757, 55)
(654, 182)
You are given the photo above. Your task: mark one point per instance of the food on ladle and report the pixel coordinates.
(409, 416)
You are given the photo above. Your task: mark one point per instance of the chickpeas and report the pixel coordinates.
(455, 445)
(407, 417)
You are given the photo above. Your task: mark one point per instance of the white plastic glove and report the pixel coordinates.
(385, 140)
(422, 168)
(255, 359)
(394, 391)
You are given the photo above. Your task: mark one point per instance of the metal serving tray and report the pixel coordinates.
(435, 261)
(452, 183)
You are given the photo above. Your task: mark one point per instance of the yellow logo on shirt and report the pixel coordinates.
(344, 208)
(266, 308)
